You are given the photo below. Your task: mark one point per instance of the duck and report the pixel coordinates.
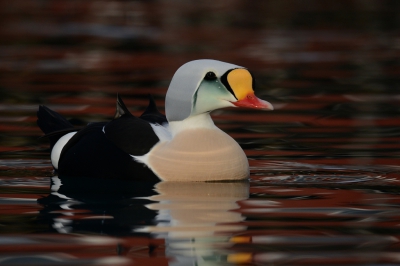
(182, 145)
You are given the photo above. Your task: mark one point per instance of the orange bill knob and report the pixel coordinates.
(241, 83)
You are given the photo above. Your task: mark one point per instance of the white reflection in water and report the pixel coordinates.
(196, 209)
(196, 218)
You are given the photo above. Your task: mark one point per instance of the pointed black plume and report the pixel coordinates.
(121, 108)
(152, 115)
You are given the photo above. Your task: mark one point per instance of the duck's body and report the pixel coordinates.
(198, 150)
(186, 146)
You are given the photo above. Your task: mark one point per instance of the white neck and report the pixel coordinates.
(198, 121)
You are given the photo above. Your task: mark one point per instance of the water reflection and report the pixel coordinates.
(196, 220)
(288, 214)
(197, 209)
(51, 250)
(83, 204)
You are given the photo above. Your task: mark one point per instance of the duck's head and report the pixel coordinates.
(201, 86)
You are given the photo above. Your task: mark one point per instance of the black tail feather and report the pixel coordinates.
(52, 124)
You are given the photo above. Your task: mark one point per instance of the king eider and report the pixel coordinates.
(183, 146)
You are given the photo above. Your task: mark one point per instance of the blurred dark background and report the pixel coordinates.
(331, 68)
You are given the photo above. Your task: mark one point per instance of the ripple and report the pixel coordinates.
(300, 173)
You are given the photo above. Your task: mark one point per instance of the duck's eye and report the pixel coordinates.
(210, 76)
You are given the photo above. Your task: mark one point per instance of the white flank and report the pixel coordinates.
(56, 151)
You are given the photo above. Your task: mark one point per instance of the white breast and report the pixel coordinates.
(200, 154)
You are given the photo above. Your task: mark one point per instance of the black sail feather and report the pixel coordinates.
(121, 108)
(152, 115)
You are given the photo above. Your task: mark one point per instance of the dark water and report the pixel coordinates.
(325, 172)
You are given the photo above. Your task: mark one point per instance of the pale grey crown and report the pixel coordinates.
(184, 84)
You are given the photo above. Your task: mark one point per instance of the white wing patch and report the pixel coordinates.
(56, 151)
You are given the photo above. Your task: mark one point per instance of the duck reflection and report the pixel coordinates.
(173, 209)
(196, 219)
(106, 206)
(188, 209)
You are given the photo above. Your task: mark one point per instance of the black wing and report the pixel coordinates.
(89, 153)
(131, 134)
(103, 149)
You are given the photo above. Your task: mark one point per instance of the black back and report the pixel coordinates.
(104, 149)
(91, 154)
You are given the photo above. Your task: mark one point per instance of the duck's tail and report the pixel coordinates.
(53, 125)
